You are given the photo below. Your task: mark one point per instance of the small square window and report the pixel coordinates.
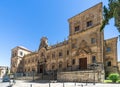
(89, 23)
(76, 28)
(21, 53)
(109, 63)
(93, 40)
(108, 49)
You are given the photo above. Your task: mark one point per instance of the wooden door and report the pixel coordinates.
(83, 63)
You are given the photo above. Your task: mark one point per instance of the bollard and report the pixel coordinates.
(75, 83)
(30, 85)
(86, 82)
(63, 84)
(81, 85)
(49, 83)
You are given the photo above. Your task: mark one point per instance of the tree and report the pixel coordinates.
(112, 11)
(7, 71)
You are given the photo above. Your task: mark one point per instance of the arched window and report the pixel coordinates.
(60, 65)
(53, 66)
(42, 54)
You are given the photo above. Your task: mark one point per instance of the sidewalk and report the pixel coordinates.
(66, 84)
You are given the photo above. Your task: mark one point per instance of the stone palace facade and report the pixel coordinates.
(85, 53)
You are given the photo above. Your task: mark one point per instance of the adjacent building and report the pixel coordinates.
(4, 70)
(85, 53)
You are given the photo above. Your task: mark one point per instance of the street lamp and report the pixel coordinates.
(44, 67)
(94, 65)
(33, 74)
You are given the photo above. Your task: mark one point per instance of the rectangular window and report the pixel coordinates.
(32, 60)
(108, 49)
(21, 53)
(93, 40)
(53, 55)
(76, 28)
(48, 56)
(93, 59)
(73, 46)
(73, 61)
(109, 63)
(89, 23)
(60, 54)
(67, 52)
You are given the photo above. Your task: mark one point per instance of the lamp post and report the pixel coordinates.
(94, 66)
(33, 74)
(94, 72)
(44, 67)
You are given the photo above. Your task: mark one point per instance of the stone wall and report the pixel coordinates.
(81, 76)
(38, 77)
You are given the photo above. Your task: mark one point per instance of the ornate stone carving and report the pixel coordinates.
(43, 43)
(84, 48)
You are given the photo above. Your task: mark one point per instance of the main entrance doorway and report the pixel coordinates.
(83, 63)
(40, 68)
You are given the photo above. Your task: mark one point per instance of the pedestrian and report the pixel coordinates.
(14, 81)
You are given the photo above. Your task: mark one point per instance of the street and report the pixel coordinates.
(3, 84)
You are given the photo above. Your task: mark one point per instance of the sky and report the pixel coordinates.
(24, 22)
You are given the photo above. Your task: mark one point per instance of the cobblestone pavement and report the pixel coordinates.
(58, 84)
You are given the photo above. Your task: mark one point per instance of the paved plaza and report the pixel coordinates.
(57, 84)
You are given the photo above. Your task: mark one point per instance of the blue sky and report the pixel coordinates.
(24, 22)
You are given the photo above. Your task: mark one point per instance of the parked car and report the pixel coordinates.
(6, 79)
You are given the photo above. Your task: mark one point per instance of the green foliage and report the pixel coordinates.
(112, 11)
(7, 71)
(107, 81)
(114, 77)
(118, 81)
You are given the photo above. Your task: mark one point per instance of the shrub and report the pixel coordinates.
(107, 81)
(118, 81)
(114, 77)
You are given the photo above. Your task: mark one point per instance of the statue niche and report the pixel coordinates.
(43, 43)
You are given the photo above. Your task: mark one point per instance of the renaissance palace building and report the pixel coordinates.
(85, 55)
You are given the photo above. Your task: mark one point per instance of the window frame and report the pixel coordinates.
(76, 28)
(73, 61)
(60, 54)
(93, 40)
(67, 52)
(109, 63)
(108, 49)
(89, 23)
(93, 59)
